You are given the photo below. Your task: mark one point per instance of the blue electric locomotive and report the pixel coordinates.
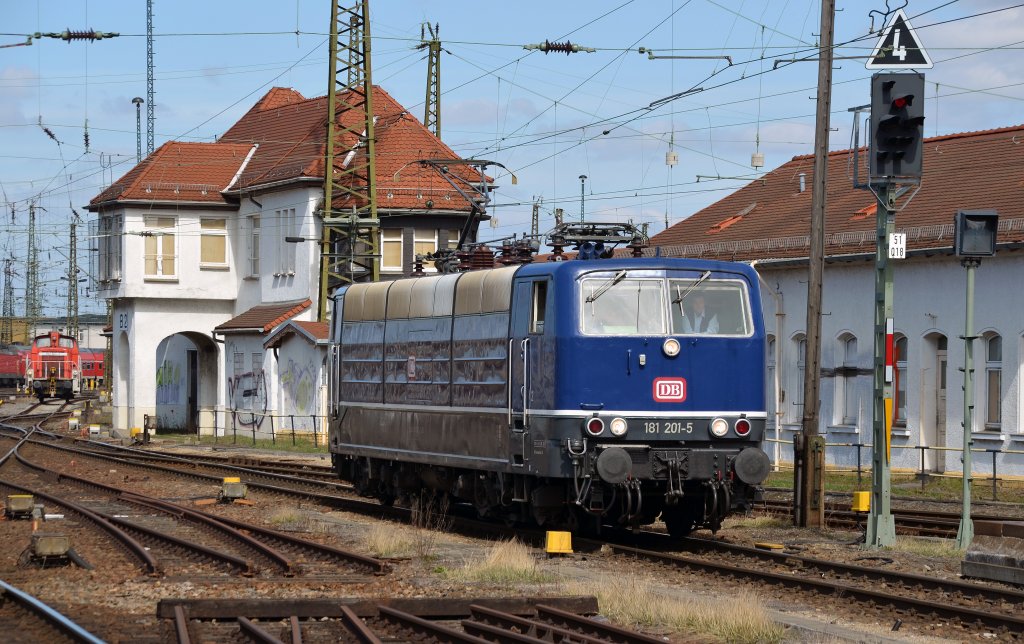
(556, 391)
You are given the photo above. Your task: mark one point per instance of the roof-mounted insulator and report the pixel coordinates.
(567, 47)
(67, 35)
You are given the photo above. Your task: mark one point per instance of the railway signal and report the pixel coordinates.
(897, 126)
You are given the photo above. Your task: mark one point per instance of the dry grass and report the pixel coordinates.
(759, 522)
(390, 541)
(927, 547)
(430, 516)
(627, 600)
(288, 519)
(506, 562)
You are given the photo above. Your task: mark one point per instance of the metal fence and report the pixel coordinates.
(252, 427)
(864, 455)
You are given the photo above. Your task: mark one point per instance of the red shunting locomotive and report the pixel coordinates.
(53, 367)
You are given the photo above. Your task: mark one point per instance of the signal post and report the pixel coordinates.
(894, 167)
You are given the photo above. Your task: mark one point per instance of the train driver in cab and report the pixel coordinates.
(698, 319)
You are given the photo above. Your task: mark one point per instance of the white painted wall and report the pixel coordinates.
(149, 310)
(300, 383)
(929, 298)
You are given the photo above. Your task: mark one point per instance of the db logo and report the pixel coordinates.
(669, 390)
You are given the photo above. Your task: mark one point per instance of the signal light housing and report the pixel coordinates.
(593, 426)
(897, 127)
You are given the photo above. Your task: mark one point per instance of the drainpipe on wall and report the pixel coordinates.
(777, 390)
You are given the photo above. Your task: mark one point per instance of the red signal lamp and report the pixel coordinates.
(901, 102)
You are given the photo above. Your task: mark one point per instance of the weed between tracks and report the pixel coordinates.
(926, 547)
(633, 601)
(506, 562)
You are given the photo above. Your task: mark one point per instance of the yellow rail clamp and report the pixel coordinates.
(861, 502)
(232, 479)
(558, 543)
(769, 546)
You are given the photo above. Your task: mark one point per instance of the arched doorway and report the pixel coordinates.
(121, 382)
(186, 384)
(934, 377)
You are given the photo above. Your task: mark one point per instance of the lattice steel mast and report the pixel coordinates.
(150, 104)
(72, 304)
(32, 275)
(7, 322)
(432, 104)
(348, 249)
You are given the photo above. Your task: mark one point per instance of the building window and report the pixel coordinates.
(391, 249)
(847, 402)
(286, 227)
(801, 368)
(254, 246)
(453, 239)
(159, 246)
(899, 407)
(424, 243)
(993, 381)
(110, 234)
(770, 381)
(257, 363)
(213, 242)
(238, 360)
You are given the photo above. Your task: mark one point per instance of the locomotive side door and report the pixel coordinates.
(529, 310)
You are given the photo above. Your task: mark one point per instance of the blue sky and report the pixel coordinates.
(541, 115)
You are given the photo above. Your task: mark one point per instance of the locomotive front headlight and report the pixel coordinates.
(618, 426)
(671, 347)
(719, 427)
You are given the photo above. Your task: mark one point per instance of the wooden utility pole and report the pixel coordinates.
(809, 481)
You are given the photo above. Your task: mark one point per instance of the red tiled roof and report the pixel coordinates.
(177, 172)
(312, 331)
(972, 170)
(289, 134)
(318, 330)
(264, 317)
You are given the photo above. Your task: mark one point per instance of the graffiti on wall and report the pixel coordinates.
(298, 381)
(247, 393)
(170, 385)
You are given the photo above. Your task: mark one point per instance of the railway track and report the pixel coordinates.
(909, 597)
(170, 529)
(909, 521)
(38, 621)
(906, 594)
(471, 620)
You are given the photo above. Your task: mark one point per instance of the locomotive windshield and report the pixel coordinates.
(717, 307)
(617, 305)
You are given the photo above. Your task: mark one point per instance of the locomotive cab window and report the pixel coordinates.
(713, 307)
(539, 307)
(615, 305)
